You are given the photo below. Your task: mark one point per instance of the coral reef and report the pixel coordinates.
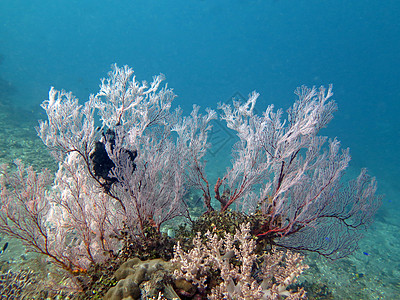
(243, 274)
(16, 285)
(117, 185)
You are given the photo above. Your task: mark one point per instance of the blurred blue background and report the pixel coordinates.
(213, 50)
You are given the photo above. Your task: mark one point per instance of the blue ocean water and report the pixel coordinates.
(211, 51)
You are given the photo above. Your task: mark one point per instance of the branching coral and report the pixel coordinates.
(234, 258)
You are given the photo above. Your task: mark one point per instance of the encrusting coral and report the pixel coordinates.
(139, 279)
(243, 274)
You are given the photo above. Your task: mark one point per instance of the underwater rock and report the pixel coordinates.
(16, 285)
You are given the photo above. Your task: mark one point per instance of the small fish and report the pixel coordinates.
(229, 255)
(366, 253)
(198, 200)
(359, 275)
(4, 248)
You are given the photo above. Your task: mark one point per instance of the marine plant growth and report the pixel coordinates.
(127, 159)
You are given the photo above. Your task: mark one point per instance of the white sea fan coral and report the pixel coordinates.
(126, 174)
(126, 161)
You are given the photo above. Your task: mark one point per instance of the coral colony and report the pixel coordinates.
(127, 162)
